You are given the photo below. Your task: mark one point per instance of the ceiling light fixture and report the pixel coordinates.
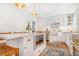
(34, 13)
(20, 5)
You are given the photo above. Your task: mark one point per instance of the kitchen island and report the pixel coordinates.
(26, 42)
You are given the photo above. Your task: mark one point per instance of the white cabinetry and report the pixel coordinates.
(26, 44)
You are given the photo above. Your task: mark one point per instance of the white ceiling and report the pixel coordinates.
(52, 9)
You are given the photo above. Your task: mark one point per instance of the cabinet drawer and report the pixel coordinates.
(40, 50)
(26, 39)
(28, 42)
(26, 52)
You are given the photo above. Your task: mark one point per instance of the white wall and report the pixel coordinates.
(76, 13)
(12, 18)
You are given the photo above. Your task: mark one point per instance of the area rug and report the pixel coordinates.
(54, 52)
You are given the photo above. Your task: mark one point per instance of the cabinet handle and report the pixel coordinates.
(25, 47)
(28, 40)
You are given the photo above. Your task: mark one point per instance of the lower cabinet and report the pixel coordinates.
(27, 52)
(39, 50)
(26, 45)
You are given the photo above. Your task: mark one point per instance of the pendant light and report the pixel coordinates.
(34, 13)
(20, 5)
(28, 27)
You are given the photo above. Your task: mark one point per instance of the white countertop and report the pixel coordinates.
(10, 36)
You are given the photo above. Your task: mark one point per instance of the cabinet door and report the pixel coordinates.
(13, 42)
(28, 41)
(27, 52)
(40, 49)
